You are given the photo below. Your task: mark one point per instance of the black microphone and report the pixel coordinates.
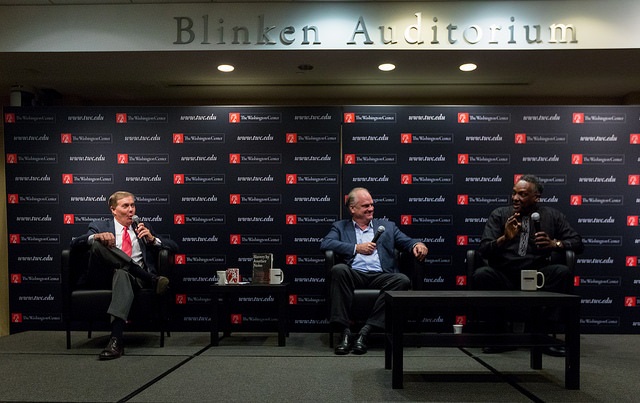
(378, 234)
(135, 220)
(535, 217)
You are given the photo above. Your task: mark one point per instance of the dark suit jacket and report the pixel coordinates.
(342, 240)
(149, 252)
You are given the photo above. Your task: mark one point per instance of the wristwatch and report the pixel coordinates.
(558, 244)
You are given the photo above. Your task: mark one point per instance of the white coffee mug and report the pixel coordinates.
(222, 277)
(276, 276)
(529, 280)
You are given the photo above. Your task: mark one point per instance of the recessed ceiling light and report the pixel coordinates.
(387, 67)
(226, 68)
(468, 67)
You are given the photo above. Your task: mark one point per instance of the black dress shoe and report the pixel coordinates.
(360, 346)
(344, 347)
(161, 284)
(497, 350)
(555, 351)
(114, 350)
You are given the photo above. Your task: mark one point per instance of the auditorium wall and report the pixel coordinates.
(225, 182)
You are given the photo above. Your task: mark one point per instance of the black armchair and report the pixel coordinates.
(474, 260)
(86, 306)
(364, 299)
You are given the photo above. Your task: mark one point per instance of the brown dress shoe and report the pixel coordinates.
(114, 350)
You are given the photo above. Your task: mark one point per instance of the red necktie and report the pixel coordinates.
(126, 242)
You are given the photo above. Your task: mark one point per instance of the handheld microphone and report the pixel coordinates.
(379, 232)
(535, 217)
(135, 220)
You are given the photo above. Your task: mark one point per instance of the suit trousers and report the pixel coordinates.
(344, 280)
(123, 282)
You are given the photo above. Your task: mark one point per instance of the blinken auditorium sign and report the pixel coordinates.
(212, 30)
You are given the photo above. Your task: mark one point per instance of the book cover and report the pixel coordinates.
(262, 265)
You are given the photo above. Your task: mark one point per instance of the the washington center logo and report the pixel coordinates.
(349, 117)
(406, 138)
(234, 117)
(577, 118)
(66, 138)
(349, 159)
(291, 179)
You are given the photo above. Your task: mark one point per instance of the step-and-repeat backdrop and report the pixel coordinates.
(226, 182)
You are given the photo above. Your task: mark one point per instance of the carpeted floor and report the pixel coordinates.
(36, 366)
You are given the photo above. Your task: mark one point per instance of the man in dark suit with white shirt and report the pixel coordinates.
(363, 263)
(124, 253)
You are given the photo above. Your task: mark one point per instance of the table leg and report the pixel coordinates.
(388, 336)
(214, 319)
(397, 345)
(536, 358)
(282, 318)
(572, 360)
(537, 328)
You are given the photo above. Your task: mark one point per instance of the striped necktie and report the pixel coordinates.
(524, 236)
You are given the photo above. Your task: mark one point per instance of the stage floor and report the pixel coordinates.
(36, 366)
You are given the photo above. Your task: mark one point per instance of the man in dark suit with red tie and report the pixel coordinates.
(122, 252)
